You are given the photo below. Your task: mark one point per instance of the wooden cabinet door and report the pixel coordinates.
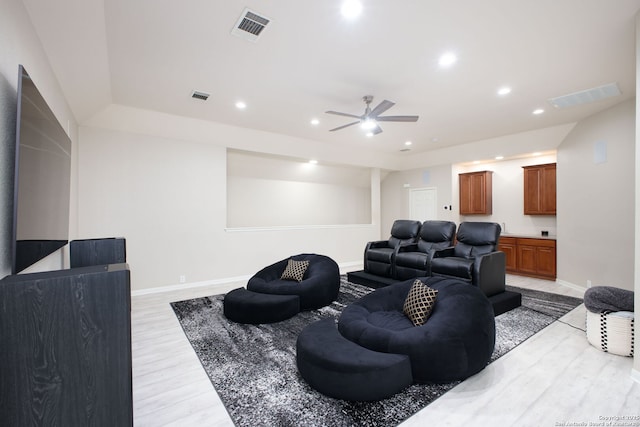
(508, 246)
(532, 191)
(548, 189)
(478, 194)
(527, 259)
(540, 189)
(465, 194)
(546, 257)
(475, 193)
(537, 257)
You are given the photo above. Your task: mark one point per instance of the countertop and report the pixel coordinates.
(529, 236)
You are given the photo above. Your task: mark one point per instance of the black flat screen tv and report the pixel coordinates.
(42, 181)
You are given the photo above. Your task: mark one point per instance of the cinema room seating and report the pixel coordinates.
(471, 257)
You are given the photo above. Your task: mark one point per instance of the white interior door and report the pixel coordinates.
(423, 204)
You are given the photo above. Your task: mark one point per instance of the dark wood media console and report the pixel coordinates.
(65, 356)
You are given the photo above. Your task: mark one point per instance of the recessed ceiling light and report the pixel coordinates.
(538, 111)
(315, 122)
(447, 59)
(351, 9)
(476, 162)
(499, 157)
(240, 105)
(369, 134)
(537, 153)
(505, 90)
(313, 162)
(408, 143)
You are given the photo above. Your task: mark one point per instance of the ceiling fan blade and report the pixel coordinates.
(397, 119)
(344, 126)
(376, 130)
(381, 108)
(337, 113)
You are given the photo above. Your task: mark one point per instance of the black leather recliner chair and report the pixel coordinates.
(414, 260)
(378, 255)
(475, 258)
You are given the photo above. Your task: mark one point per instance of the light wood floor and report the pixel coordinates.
(555, 378)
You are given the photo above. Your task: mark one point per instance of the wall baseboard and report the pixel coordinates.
(345, 267)
(183, 286)
(571, 285)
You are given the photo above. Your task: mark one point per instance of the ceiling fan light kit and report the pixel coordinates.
(369, 120)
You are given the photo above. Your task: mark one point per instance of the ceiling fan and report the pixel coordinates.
(369, 120)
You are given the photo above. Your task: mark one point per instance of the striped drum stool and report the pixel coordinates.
(612, 332)
(610, 319)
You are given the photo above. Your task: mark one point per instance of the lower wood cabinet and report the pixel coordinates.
(530, 256)
(508, 246)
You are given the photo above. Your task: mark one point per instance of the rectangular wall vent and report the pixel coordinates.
(250, 25)
(200, 95)
(586, 96)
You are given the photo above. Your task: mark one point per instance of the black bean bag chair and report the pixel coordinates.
(456, 341)
(319, 287)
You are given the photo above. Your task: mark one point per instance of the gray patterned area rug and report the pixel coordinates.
(253, 367)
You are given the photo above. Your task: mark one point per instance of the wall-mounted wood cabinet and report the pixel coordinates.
(540, 189)
(475, 193)
(530, 256)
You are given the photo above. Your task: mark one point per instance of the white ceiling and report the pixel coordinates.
(152, 54)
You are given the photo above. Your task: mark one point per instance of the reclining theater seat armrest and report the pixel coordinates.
(372, 245)
(444, 253)
(409, 247)
(489, 272)
(430, 256)
(377, 244)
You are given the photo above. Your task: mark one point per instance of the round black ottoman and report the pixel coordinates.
(243, 306)
(319, 287)
(344, 370)
(456, 341)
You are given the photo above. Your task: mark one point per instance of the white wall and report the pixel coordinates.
(396, 187)
(167, 197)
(596, 201)
(265, 191)
(508, 146)
(636, 359)
(20, 45)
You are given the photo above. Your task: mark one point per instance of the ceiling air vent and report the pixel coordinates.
(250, 25)
(200, 95)
(586, 96)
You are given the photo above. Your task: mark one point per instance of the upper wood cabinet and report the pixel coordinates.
(475, 193)
(540, 189)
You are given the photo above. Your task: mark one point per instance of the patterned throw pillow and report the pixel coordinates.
(419, 303)
(295, 270)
